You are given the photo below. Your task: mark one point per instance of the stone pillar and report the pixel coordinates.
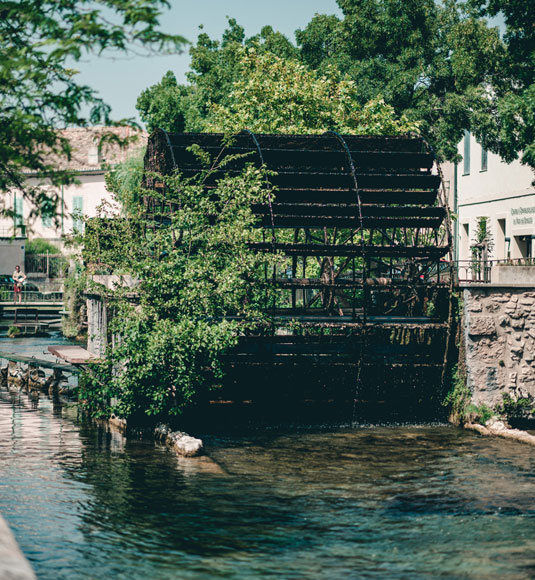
(97, 325)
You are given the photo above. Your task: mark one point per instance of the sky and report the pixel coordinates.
(119, 81)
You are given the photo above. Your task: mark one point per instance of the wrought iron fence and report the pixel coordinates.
(47, 265)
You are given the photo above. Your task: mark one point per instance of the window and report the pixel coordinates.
(77, 209)
(465, 242)
(501, 245)
(19, 212)
(466, 156)
(484, 159)
(47, 221)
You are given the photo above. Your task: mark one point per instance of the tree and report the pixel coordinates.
(195, 278)
(277, 95)
(511, 126)
(161, 105)
(437, 63)
(215, 66)
(431, 61)
(40, 41)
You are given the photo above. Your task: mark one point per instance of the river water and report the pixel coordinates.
(389, 502)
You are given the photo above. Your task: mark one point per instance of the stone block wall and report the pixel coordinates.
(499, 332)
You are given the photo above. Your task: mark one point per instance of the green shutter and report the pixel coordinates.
(466, 156)
(77, 209)
(19, 211)
(484, 159)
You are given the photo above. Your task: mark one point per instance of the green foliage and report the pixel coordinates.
(124, 180)
(13, 331)
(483, 243)
(160, 106)
(510, 126)
(276, 95)
(194, 297)
(458, 398)
(514, 408)
(72, 325)
(41, 41)
(479, 413)
(40, 246)
(439, 64)
(430, 60)
(483, 234)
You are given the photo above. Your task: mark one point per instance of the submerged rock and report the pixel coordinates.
(181, 442)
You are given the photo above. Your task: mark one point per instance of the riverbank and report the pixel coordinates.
(498, 428)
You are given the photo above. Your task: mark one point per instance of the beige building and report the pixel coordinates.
(89, 162)
(486, 186)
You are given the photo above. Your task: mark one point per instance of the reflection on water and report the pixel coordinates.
(382, 502)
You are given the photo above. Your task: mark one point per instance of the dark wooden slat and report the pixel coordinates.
(323, 142)
(399, 181)
(312, 160)
(369, 196)
(290, 221)
(332, 210)
(432, 252)
(337, 180)
(346, 196)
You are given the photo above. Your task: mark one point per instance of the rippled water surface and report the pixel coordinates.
(381, 502)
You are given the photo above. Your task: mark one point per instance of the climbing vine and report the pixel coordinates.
(193, 296)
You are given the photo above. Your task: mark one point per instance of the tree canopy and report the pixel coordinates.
(510, 128)
(277, 95)
(41, 41)
(438, 64)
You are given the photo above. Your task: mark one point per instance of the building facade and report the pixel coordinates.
(88, 162)
(486, 186)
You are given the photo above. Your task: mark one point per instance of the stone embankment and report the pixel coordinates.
(499, 327)
(13, 564)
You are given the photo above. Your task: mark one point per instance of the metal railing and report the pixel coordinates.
(480, 270)
(8, 296)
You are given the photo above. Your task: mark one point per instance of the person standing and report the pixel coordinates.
(18, 279)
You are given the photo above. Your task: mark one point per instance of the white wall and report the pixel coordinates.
(91, 191)
(504, 192)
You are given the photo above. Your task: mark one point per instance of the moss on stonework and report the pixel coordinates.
(516, 408)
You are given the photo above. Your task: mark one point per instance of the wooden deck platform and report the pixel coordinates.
(75, 355)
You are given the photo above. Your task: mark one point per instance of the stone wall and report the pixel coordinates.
(499, 332)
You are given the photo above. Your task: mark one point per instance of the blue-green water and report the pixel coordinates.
(408, 502)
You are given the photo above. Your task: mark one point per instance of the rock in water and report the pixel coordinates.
(181, 442)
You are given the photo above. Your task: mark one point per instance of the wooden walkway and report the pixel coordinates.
(38, 362)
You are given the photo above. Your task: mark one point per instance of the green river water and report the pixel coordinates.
(409, 502)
